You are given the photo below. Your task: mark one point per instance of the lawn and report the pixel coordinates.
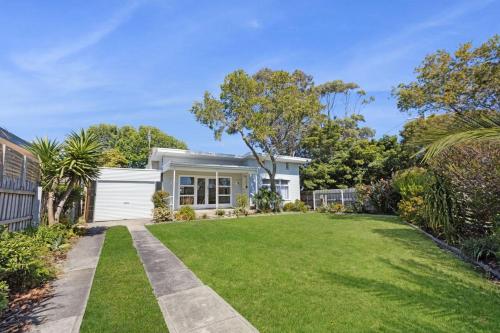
(121, 298)
(324, 273)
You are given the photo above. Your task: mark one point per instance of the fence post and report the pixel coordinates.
(342, 196)
(314, 200)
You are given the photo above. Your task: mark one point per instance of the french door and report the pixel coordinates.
(205, 195)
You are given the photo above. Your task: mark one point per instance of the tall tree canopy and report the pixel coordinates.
(466, 86)
(129, 147)
(270, 110)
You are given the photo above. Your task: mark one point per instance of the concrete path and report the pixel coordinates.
(63, 312)
(187, 304)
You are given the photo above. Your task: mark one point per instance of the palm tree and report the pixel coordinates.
(466, 128)
(72, 164)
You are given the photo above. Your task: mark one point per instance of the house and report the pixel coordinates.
(198, 179)
(210, 180)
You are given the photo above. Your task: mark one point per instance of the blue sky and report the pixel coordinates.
(69, 64)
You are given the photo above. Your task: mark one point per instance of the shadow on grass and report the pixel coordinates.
(437, 301)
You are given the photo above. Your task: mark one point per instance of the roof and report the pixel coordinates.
(219, 167)
(4, 134)
(199, 154)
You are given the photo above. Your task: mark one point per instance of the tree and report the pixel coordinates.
(68, 165)
(270, 110)
(466, 86)
(468, 80)
(129, 147)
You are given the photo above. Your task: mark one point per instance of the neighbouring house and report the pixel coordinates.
(198, 179)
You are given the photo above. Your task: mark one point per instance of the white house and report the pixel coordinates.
(200, 180)
(210, 180)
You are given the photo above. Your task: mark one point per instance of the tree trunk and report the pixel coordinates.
(50, 208)
(61, 203)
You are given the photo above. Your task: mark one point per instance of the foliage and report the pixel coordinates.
(345, 154)
(411, 182)
(55, 237)
(129, 147)
(162, 214)
(484, 248)
(4, 295)
(336, 208)
(412, 210)
(70, 165)
(159, 199)
(296, 206)
(185, 213)
(270, 110)
(220, 212)
(113, 158)
(379, 196)
(23, 261)
(267, 201)
(242, 205)
(468, 80)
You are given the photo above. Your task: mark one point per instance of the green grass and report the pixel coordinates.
(121, 298)
(324, 273)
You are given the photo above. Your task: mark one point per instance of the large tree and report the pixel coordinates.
(129, 147)
(270, 110)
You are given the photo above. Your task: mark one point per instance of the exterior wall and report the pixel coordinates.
(202, 160)
(238, 183)
(292, 175)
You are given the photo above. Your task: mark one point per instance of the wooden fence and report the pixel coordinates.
(19, 197)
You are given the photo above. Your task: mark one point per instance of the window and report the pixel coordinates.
(281, 186)
(224, 190)
(287, 166)
(186, 195)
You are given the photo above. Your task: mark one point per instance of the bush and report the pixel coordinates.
(186, 213)
(336, 208)
(162, 214)
(241, 205)
(322, 209)
(379, 196)
(24, 261)
(220, 212)
(159, 199)
(55, 237)
(412, 210)
(484, 248)
(296, 206)
(4, 296)
(267, 201)
(411, 182)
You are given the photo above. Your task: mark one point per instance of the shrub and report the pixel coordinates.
(23, 261)
(159, 199)
(336, 208)
(267, 201)
(220, 212)
(379, 196)
(241, 205)
(55, 237)
(411, 182)
(322, 209)
(484, 248)
(4, 296)
(162, 214)
(185, 213)
(296, 206)
(412, 210)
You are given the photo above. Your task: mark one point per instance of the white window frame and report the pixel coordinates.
(280, 184)
(195, 195)
(187, 195)
(225, 186)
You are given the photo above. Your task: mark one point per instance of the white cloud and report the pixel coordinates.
(254, 24)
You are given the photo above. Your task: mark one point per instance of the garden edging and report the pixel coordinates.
(491, 271)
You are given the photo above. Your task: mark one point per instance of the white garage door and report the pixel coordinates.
(118, 200)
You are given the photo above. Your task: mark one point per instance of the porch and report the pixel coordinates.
(207, 186)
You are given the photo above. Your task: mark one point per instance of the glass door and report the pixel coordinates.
(200, 191)
(211, 191)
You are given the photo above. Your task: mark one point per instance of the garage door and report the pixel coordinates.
(116, 200)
